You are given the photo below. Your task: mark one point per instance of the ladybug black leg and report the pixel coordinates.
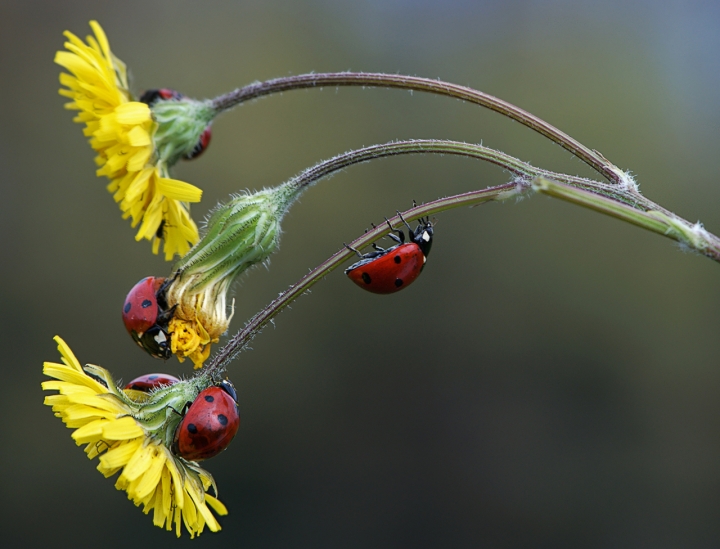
(165, 316)
(400, 238)
(101, 446)
(352, 249)
(162, 290)
(378, 248)
(409, 228)
(186, 407)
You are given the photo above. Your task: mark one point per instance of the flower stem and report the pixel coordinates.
(516, 167)
(623, 202)
(651, 217)
(241, 340)
(414, 83)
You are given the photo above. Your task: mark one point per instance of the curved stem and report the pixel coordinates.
(675, 228)
(369, 79)
(255, 325)
(622, 203)
(515, 166)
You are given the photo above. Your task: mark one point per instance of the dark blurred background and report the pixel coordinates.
(551, 380)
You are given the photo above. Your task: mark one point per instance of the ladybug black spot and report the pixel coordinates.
(366, 278)
(127, 307)
(209, 398)
(397, 259)
(192, 428)
(152, 378)
(222, 419)
(146, 303)
(398, 282)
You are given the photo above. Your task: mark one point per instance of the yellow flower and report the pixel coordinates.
(121, 131)
(104, 419)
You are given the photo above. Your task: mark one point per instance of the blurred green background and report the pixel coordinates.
(552, 379)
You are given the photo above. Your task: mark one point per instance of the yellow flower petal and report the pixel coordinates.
(179, 190)
(122, 429)
(121, 454)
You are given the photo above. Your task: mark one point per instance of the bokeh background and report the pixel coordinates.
(552, 379)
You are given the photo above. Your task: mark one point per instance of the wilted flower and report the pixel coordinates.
(240, 234)
(133, 437)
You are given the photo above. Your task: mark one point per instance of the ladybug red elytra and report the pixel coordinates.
(210, 423)
(151, 97)
(386, 271)
(146, 316)
(148, 382)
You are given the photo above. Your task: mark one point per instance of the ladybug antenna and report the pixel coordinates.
(352, 249)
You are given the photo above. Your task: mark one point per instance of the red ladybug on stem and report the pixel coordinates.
(209, 425)
(386, 271)
(146, 316)
(164, 94)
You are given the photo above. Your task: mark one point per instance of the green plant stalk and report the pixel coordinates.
(652, 217)
(368, 79)
(254, 326)
(626, 204)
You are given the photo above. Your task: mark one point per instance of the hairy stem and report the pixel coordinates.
(255, 325)
(414, 83)
(620, 201)
(513, 165)
(651, 216)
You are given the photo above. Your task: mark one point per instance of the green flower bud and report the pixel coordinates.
(180, 123)
(240, 234)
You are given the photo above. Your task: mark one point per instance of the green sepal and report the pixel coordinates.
(180, 122)
(161, 411)
(240, 234)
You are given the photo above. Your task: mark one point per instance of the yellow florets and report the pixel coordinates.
(152, 476)
(121, 131)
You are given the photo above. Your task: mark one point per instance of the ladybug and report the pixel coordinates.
(386, 271)
(148, 382)
(201, 145)
(209, 424)
(146, 316)
(150, 97)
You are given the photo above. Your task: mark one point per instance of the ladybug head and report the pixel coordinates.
(227, 386)
(154, 341)
(423, 234)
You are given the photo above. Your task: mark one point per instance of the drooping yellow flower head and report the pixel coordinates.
(105, 421)
(121, 131)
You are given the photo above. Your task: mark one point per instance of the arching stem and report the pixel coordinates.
(368, 79)
(625, 204)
